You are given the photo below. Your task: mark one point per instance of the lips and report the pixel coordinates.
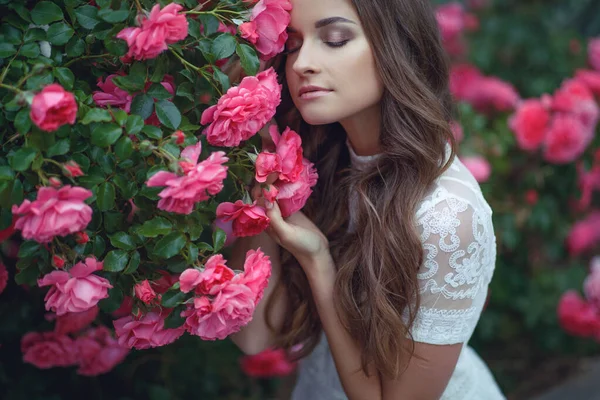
(312, 89)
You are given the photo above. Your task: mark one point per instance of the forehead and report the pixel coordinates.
(306, 12)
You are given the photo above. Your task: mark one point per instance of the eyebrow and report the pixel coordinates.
(326, 21)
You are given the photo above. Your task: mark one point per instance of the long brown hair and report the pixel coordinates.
(376, 289)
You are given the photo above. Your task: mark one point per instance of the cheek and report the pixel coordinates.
(362, 82)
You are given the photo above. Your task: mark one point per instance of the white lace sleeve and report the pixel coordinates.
(459, 257)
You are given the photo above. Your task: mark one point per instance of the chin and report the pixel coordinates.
(317, 116)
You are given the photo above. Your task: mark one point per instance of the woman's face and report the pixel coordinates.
(330, 67)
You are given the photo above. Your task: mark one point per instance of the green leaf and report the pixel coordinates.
(154, 227)
(105, 197)
(75, 47)
(142, 105)
(168, 114)
(106, 134)
(159, 92)
(99, 246)
(131, 83)
(28, 249)
(192, 253)
(59, 33)
(22, 158)
(172, 298)
(87, 16)
(22, 121)
(65, 77)
(134, 124)
(6, 174)
(248, 58)
(124, 148)
(194, 28)
(120, 117)
(152, 132)
(17, 194)
(116, 261)
(96, 115)
(59, 148)
(210, 24)
(121, 240)
(173, 320)
(27, 276)
(34, 35)
(223, 46)
(219, 237)
(113, 16)
(133, 264)
(170, 245)
(30, 50)
(46, 12)
(7, 50)
(222, 79)
(114, 300)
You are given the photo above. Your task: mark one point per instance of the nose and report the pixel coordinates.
(305, 64)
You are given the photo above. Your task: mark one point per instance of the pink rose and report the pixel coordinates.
(589, 181)
(73, 169)
(266, 164)
(248, 219)
(146, 332)
(478, 166)
(210, 280)
(289, 149)
(165, 282)
(576, 316)
(98, 352)
(270, 193)
(267, 27)
(452, 21)
(162, 27)
(200, 180)
(75, 321)
(584, 234)
(463, 78)
(243, 110)
(76, 290)
(591, 285)
(144, 292)
(293, 195)
(3, 277)
(231, 309)
(589, 78)
(53, 213)
(267, 364)
(112, 95)
(257, 271)
(529, 123)
(576, 99)
(594, 53)
(48, 350)
(53, 107)
(566, 139)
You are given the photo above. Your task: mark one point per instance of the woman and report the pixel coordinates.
(384, 274)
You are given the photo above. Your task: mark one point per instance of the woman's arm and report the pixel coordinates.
(256, 336)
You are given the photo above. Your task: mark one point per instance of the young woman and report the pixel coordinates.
(383, 276)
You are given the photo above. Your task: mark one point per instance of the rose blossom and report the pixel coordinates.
(576, 316)
(208, 281)
(566, 139)
(594, 53)
(257, 271)
(162, 27)
(75, 321)
(53, 213)
(529, 124)
(267, 27)
(293, 195)
(53, 107)
(98, 352)
(248, 219)
(48, 350)
(289, 149)
(200, 180)
(243, 110)
(3, 277)
(584, 234)
(591, 285)
(576, 99)
(144, 292)
(478, 166)
(590, 78)
(267, 364)
(145, 332)
(73, 169)
(76, 290)
(112, 95)
(266, 164)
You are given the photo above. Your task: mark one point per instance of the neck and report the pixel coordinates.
(363, 131)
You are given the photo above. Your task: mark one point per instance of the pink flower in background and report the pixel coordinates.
(144, 292)
(457, 131)
(591, 285)
(257, 271)
(584, 234)
(247, 219)
(3, 277)
(243, 110)
(463, 78)
(594, 53)
(589, 181)
(72, 322)
(162, 27)
(98, 352)
(111, 95)
(565, 140)
(76, 290)
(576, 99)
(53, 213)
(529, 124)
(267, 364)
(53, 107)
(452, 21)
(577, 316)
(478, 166)
(293, 195)
(145, 332)
(267, 27)
(200, 181)
(48, 350)
(589, 78)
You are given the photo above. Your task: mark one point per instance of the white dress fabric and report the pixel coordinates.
(455, 223)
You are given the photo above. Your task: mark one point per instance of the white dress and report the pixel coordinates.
(455, 223)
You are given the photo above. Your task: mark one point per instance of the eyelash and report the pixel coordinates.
(330, 44)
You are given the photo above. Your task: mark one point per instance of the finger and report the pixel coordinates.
(256, 192)
(278, 225)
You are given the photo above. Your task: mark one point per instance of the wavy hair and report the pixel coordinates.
(376, 288)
